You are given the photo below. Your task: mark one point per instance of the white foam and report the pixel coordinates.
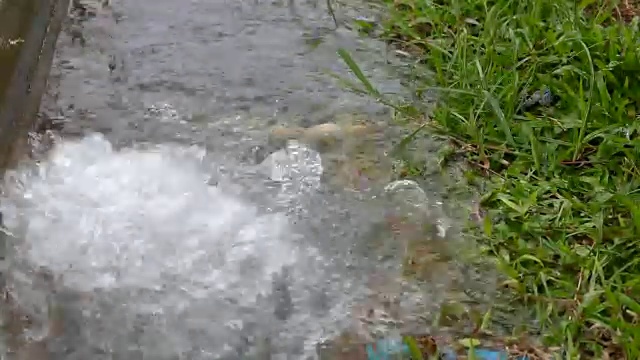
(108, 218)
(144, 224)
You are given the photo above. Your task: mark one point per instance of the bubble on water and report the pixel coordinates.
(142, 230)
(296, 162)
(298, 169)
(407, 198)
(162, 111)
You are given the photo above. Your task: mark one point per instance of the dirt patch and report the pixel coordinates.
(627, 10)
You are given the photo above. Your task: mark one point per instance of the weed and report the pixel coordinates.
(563, 205)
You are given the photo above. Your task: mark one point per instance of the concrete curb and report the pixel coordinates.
(30, 28)
(26, 67)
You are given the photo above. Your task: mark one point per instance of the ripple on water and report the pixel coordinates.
(141, 231)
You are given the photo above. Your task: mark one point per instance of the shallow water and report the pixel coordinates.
(211, 61)
(152, 221)
(144, 230)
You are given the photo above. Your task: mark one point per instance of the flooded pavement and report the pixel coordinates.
(213, 194)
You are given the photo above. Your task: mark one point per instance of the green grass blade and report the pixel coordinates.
(355, 69)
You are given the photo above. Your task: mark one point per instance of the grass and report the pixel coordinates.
(563, 200)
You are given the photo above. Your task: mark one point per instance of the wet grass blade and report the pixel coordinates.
(559, 181)
(504, 124)
(414, 349)
(402, 145)
(355, 69)
(332, 13)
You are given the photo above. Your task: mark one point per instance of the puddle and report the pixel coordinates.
(211, 193)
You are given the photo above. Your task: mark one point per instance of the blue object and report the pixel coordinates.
(481, 354)
(386, 349)
(485, 354)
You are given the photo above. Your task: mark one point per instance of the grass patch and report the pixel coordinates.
(542, 98)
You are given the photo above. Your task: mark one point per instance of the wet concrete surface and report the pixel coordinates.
(222, 74)
(211, 59)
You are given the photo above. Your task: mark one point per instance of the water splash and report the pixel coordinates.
(142, 231)
(296, 163)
